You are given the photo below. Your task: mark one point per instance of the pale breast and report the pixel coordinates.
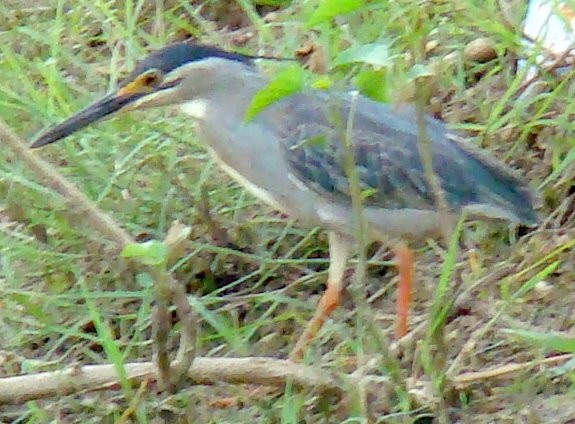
(254, 189)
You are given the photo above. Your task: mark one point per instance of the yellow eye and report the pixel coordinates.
(146, 82)
(151, 78)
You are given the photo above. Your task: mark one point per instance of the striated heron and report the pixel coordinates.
(290, 156)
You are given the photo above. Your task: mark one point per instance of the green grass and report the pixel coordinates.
(67, 297)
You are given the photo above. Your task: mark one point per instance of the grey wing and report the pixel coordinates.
(388, 172)
(387, 159)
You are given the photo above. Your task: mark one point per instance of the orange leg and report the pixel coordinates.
(404, 262)
(339, 252)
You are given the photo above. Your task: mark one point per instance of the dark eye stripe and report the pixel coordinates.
(170, 84)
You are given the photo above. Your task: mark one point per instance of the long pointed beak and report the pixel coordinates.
(93, 113)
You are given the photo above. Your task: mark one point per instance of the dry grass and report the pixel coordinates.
(255, 275)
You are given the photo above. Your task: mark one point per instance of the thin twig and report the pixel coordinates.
(359, 231)
(467, 379)
(80, 205)
(176, 240)
(161, 329)
(426, 155)
(388, 361)
(555, 64)
(437, 337)
(186, 350)
(131, 409)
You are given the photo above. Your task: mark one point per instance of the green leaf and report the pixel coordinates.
(532, 282)
(323, 82)
(375, 54)
(107, 340)
(153, 252)
(329, 9)
(32, 308)
(441, 305)
(372, 83)
(368, 193)
(221, 324)
(568, 160)
(548, 341)
(318, 140)
(419, 71)
(275, 3)
(288, 81)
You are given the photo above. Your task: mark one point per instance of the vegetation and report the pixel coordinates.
(68, 297)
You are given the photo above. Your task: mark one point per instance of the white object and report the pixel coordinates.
(550, 23)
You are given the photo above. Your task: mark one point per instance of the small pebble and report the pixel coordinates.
(480, 50)
(543, 289)
(431, 46)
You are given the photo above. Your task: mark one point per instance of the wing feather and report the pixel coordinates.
(387, 158)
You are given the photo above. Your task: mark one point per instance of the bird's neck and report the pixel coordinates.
(228, 97)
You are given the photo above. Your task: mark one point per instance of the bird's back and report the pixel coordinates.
(385, 145)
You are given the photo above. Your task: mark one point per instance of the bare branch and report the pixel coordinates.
(251, 370)
(255, 370)
(80, 205)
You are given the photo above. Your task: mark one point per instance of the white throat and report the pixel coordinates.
(196, 108)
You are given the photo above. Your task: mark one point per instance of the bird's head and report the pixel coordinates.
(172, 75)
